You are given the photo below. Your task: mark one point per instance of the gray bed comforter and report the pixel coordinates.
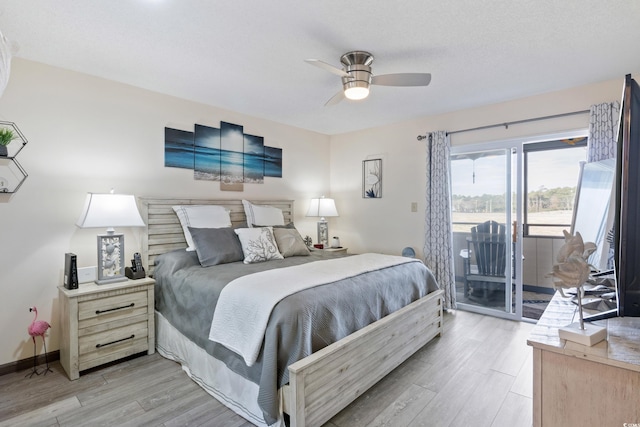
(186, 294)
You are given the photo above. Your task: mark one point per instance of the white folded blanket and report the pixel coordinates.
(244, 306)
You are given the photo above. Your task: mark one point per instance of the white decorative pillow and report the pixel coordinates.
(258, 244)
(263, 215)
(201, 216)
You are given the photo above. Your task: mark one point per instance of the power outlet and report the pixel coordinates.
(414, 206)
(87, 274)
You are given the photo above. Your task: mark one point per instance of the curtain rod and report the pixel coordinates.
(517, 122)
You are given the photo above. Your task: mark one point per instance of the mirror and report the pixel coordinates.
(592, 216)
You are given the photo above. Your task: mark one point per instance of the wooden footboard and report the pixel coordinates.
(324, 383)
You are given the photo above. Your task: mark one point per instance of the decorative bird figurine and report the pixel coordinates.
(38, 328)
(572, 269)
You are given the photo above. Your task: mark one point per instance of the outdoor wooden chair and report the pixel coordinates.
(487, 246)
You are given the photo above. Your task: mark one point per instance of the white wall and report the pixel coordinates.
(88, 135)
(387, 224)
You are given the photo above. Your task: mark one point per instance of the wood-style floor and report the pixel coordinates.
(479, 373)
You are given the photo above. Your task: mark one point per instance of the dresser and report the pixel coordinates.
(577, 385)
(104, 323)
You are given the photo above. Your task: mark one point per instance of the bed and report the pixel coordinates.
(311, 388)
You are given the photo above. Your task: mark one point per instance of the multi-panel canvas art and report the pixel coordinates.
(206, 142)
(231, 153)
(178, 149)
(226, 154)
(254, 159)
(273, 162)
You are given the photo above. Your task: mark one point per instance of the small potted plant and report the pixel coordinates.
(6, 136)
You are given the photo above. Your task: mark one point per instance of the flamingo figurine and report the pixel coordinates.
(38, 328)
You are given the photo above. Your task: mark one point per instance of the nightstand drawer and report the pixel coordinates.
(105, 310)
(112, 344)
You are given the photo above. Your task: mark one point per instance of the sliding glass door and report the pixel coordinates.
(511, 201)
(484, 211)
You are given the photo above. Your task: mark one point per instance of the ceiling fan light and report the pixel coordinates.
(356, 93)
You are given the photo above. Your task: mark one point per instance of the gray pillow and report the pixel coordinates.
(289, 225)
(290, 242)
(216, 245)
(175, 260)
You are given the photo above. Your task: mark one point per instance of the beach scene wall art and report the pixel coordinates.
(225, 154)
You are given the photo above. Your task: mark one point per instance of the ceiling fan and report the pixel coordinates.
(357, 76)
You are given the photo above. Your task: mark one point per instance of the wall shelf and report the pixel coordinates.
(17, 144)
(12, 175)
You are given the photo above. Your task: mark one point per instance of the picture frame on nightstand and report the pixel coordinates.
(110, 258)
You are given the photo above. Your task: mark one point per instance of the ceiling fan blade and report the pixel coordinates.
(328, 67)
(402, 79)
(335, 99)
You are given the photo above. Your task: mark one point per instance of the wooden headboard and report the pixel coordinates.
(163, 232)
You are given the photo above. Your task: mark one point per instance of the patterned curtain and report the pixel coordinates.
(438, 238)
(603, 130)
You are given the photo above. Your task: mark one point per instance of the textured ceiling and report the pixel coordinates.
(248, 56)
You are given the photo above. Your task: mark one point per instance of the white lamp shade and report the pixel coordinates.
(322, 207)
(110, 210)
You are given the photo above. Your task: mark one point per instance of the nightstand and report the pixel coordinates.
(103, 323)
(335, 250)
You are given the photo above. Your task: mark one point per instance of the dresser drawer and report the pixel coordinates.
(112, 344)
(117, 308)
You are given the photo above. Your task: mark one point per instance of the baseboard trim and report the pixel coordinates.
(21, 365)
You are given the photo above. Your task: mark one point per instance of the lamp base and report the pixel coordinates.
(323, 233)
(589, 336)
(110, 258)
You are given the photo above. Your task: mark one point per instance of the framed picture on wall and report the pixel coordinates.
(372, 179)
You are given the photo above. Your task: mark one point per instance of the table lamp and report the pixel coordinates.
(110, 210)
(323, 207)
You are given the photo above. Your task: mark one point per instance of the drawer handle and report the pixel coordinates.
(114, 309)
(116, 341)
